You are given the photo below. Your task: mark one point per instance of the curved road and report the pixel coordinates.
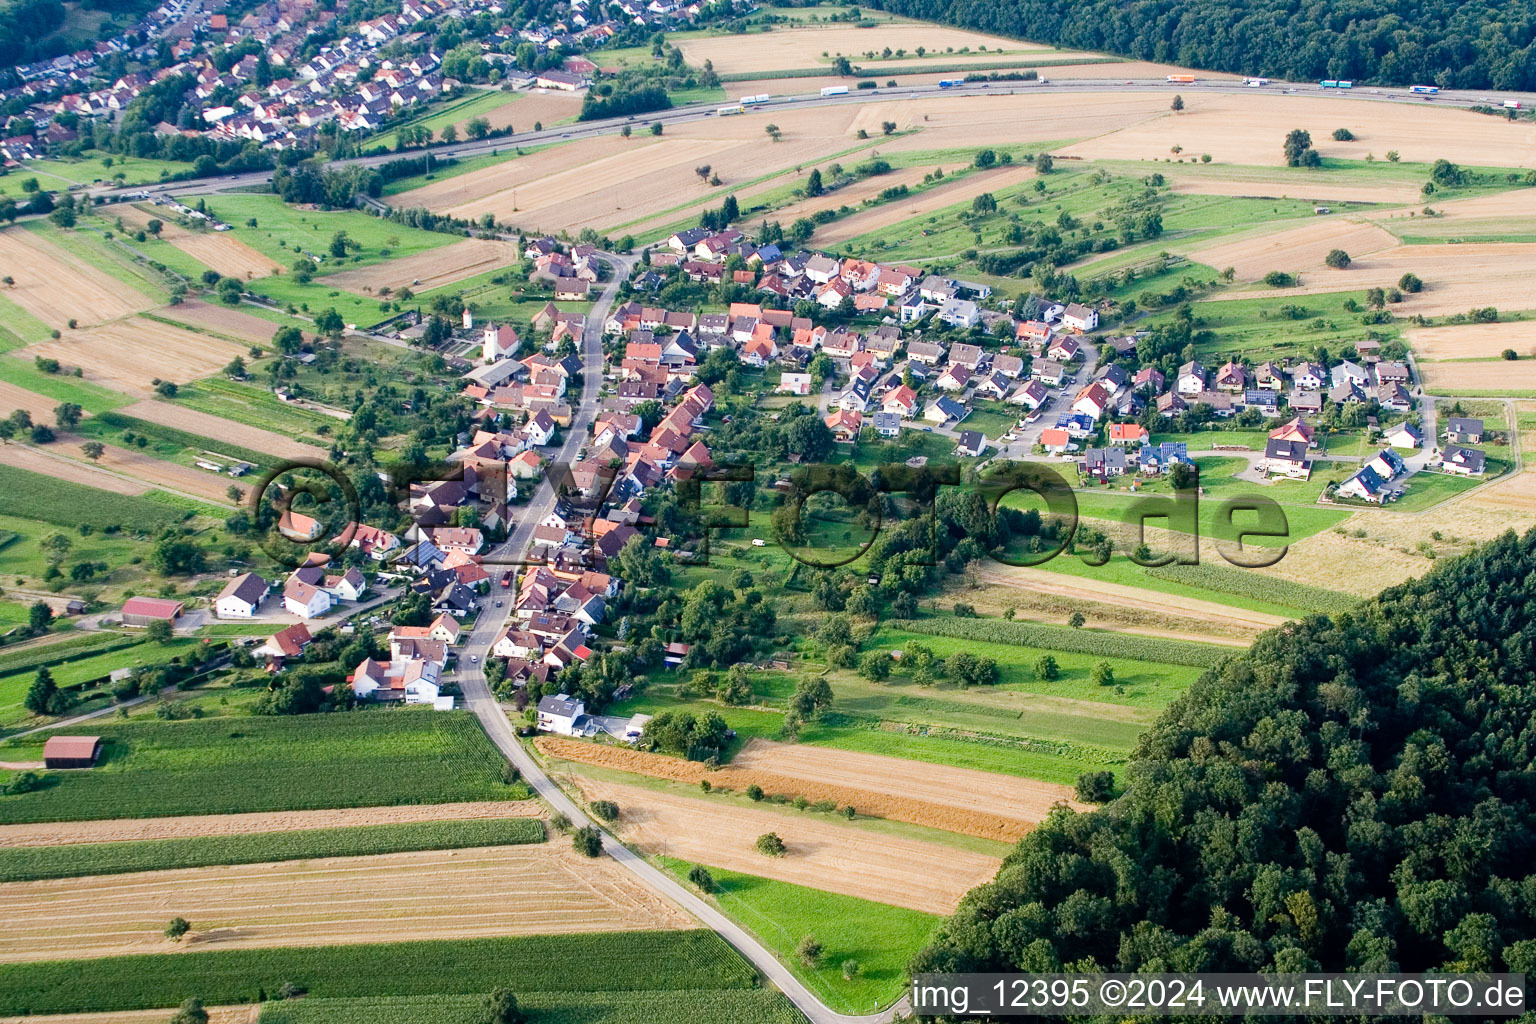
(700, 111)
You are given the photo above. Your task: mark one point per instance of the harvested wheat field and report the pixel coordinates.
(218, 250)
(1045, 582)
(1001, 118)
(138, 466)
(39, 406)
(216, 1015)
(1499, 214)
(429, 269)
(1456, 278)
(525, 109)
(1473, 341)
(950, 799)
(217, 429)
(221, 319)
(512, 890)
(1249, 129)
(821, 854)
(55, 287)
(856, 193)
(129, 354)
(1296, 249)
(38, 460)
(119, 830)
(1488, 375)
(937, 198)
(1314, 189)
(1388, 554)
(794, 48)
(1516, 493)
(612, 181)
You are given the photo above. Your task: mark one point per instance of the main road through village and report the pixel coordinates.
(471, 671)
(493, 717)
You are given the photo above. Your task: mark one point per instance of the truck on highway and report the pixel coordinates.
(950, 83)
(1424, 90)
(835, 90)
(1329, 83)
(728, 111)
(1181, 79)
(1511, 104)
(1255, 83)
(753, 101)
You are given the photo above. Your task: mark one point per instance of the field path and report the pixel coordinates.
(512, 890)
(821, 853)
(1104, 592)
(117, 830)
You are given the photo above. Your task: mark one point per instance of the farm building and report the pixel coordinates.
(241, 597)
(71, 751)
(141, 611)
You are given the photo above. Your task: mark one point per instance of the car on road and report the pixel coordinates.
(474, 659)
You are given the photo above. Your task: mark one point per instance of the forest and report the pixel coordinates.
(1479, 45)
(1354, 793)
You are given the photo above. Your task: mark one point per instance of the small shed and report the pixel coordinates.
(71, 751)
(141, 611)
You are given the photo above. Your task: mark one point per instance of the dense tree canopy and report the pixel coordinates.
(1476, 45)
(1353, 794)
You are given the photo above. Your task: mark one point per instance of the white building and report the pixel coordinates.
(241, 597)
(559, 714)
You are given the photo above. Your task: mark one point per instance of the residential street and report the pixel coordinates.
(493, 717)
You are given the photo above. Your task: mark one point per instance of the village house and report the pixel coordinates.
(241, 597)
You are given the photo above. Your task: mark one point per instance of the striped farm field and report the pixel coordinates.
(822, 854)
(712, 1006)
(30, 863)
(215, 766)
(540, 889)
(663, 961)
(952, 799)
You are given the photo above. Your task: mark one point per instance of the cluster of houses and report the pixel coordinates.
(280, 102)
(909, 293)
(310, 592)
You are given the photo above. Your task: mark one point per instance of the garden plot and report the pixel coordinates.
(55, 287)
(820, 853)
(129, 354)
(431, 269)
(513, 890)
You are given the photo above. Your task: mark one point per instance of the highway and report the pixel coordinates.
(979, 90)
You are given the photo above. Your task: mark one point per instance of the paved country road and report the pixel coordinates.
(477, 694)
